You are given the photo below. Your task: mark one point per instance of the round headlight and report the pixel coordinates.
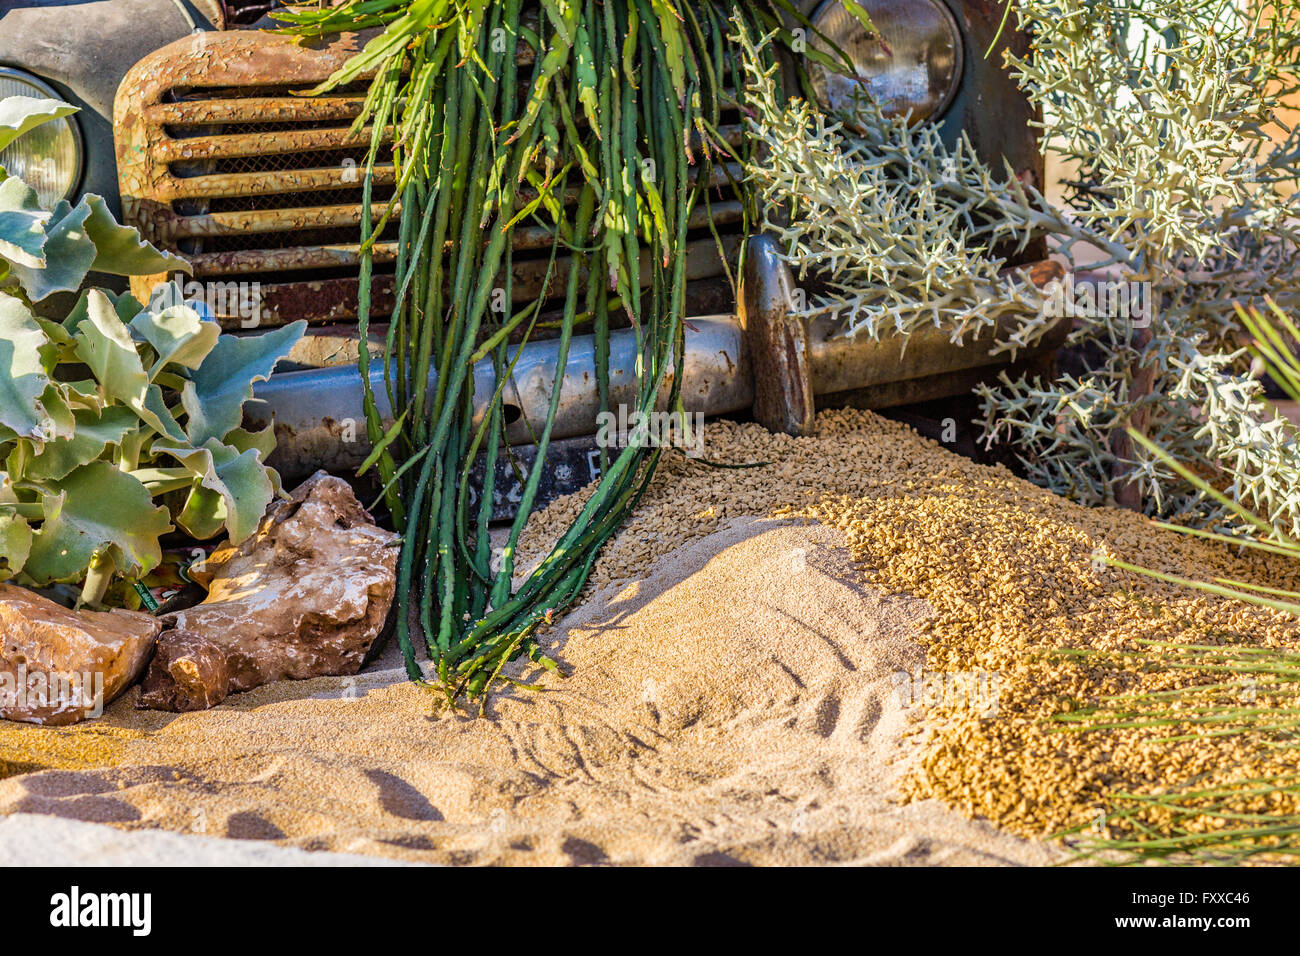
(914, 64)
(47, 158)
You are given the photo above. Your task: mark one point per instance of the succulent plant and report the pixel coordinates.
(116, 405)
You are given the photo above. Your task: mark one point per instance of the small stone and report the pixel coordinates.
(59, 666)
(306, 596)
(196, 669)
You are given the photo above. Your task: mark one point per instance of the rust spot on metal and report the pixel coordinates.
(249, 261)
(783, 392)
(1044, 271)
(323, 302)
(182, 172)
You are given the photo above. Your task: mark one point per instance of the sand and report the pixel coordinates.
(1016, 577)
(748, 685)
(735, 707)
(29, 839)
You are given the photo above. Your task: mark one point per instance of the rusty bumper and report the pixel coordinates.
(763, 361)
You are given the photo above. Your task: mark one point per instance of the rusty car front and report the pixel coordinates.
(193, 123)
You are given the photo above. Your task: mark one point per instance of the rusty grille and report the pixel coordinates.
(222, 161)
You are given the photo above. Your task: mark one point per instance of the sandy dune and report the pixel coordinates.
(735, 706)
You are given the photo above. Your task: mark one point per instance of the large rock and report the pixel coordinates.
(306, 596)
(59, 666)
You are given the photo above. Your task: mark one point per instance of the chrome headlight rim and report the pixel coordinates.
(946, 13)
(79, 143)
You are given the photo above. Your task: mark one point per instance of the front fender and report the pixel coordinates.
(83, 49)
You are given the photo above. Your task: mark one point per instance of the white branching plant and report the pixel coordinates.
(897, 226)
(1184, 184)
(1256, 449)
(1168, 109)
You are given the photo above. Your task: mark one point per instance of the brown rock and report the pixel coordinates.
(305, 596)
(59, 666)
(190, 670)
